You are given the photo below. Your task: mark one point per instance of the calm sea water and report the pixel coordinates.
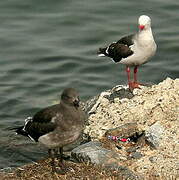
(46, 46)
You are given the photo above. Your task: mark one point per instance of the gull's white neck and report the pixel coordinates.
(145, 37)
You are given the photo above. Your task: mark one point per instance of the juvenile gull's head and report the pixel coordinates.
(70, 96)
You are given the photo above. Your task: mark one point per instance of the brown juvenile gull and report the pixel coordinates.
(133, 50)
(56, 126)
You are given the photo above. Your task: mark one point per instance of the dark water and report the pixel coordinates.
(46, 46)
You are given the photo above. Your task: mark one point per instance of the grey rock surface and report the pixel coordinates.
(135, 155)
(125, 130)
(154, 134)
(132, 149)
(153, 159)
(93, 152)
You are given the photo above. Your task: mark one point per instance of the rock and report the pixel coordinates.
(132, 149)
(119, 92)
(94, 152)
(153, 159)
(135, 155)
(154, 134)
(148, 105)
(88, 105)
(125, 130)
(91, 151)
(159, 103)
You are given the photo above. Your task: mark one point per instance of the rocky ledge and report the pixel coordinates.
(139, 130)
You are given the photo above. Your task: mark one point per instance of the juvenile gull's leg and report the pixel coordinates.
(62, 169)
(52, 156)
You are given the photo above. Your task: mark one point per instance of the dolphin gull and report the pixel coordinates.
(133, 50)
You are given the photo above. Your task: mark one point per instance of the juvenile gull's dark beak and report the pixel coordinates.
(76, 102)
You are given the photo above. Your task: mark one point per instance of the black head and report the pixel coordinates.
(70, 96)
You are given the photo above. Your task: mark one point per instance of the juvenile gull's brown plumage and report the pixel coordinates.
(57, 125)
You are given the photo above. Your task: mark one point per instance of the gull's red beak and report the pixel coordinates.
(141, 27)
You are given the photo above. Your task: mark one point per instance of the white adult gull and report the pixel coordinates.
(133, 50)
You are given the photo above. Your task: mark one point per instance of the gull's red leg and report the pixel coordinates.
(135, 74)
(128, 77)
(135, 84)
